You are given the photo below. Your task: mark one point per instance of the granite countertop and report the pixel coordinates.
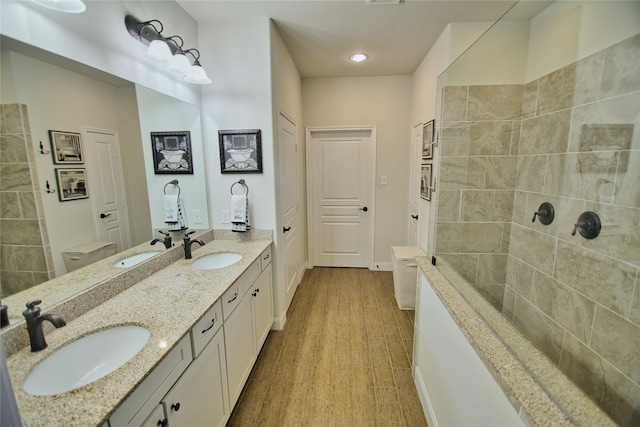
(167, 303)
(538, 390)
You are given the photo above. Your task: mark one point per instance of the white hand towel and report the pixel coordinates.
(171, 208)
(181, 218)
(240, 213)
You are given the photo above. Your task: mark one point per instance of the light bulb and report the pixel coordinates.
(158, 51)
(197, 75)
(179, 64)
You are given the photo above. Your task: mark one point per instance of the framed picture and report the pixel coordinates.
(425, 182)
(427, 139)
(172, 152)
(66, 147)
(72, 184)
(240, 151)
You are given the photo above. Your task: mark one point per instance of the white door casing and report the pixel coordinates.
(107, 187)
(341, 171)
(414, 183)
(288, 172)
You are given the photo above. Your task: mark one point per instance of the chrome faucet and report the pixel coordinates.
(166, 240)
(34, 324)
(188, 242)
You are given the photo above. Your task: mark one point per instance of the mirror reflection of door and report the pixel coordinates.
(109, 194)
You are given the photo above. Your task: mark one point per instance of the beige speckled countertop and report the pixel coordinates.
(167, 303)
(538, 390)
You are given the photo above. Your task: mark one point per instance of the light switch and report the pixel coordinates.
(197, 217)
(383, 180)
(226, 219)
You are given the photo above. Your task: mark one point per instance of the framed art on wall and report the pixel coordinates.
(172, 152)
(72, 184)
(425, 182)
(66, 147)
(427, 140)
(240, 151)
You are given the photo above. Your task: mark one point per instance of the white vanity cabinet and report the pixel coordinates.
(199, 398)
(262, 303)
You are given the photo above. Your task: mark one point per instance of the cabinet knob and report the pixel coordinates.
(176, 406)
(162, 423)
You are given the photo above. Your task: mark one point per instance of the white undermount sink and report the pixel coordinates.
(214, 261)
(136, 259)
(86, 360)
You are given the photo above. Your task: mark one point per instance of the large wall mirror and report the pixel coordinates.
(42, 92)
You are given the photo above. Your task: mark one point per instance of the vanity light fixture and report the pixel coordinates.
(359, 57)
(67, 6)
(167, 50)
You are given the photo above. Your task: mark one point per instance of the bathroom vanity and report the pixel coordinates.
(206, 330)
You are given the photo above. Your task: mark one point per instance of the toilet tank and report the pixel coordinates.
(87, 253)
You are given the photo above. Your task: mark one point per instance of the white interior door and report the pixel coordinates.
(107, 188)
(342, 176)
(414, 184)
(288, 146)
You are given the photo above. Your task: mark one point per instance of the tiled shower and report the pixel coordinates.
(570, 138)
(24, 243)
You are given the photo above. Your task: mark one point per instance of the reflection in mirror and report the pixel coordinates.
(539, 110)
(42, 92)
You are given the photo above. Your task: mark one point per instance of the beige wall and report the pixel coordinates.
(383, 102)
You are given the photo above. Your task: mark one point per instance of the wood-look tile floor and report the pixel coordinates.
(343, 358)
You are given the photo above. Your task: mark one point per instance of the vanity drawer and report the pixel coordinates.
(232, 297)
(144, 399)
(265, 258)
(206, 328)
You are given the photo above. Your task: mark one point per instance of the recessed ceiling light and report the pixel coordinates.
(358, 57)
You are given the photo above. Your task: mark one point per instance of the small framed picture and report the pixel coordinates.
(427, 139)
(425, 182)
(66, 147)
(240, 151)
(172, 152)
(72, 184)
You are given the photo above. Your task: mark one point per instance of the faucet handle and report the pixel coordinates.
(31, 305)
(186, 235)
(164, 234)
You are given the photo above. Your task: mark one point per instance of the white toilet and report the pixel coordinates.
(405, 274)
(87, 253)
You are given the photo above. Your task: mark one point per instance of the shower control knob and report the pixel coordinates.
(545, 213)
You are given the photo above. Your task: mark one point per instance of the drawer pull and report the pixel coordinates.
(162, 423)
(266, 257)
(213, 322)
(176, 406)
(235, 296)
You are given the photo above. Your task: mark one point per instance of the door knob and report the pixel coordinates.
(285, 229)
(103, 215)
(414, 216)
(364, 209)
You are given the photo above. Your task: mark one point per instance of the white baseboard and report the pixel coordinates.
(278, 322)
(424, 398)
(382, 266)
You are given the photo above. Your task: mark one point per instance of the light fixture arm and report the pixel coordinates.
(144, 31)
(190, 51)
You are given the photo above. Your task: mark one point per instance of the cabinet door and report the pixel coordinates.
(239, 343)
(156, 418)
(262, 307)
(199, 398)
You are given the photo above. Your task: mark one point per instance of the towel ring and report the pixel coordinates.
(241, 182)
(173, 182)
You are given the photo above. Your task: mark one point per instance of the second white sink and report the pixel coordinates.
(214, 261)
(135, 259)
(86, 360)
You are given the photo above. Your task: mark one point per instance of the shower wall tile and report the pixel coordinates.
(607, 125)
(516, 131)
(28, 205)
(605, 280)
(601, 381)
(486, 205)
(30, 258)
(582, 175)
(519, 276)
(506, 237)
(476, 138)
(531, 171)
(12, 118)
(450, 238)
(492, 268)
(8, 261)
(634, 312)
(454, 103)
(501, 172)
(539, 328)
(465, 264)
(495, 102)
(494, 293)
(520, 211)
(567, 307)
(13, 149)
(462, 172)
(533, 247)
(449, 205)
(617, 340)
(15, 177)
(20, 232)
(545, 134)
(621, 72)
(9, 205)
(482, 237)
(625, 191)
(620, 233)
(530, 99)
(508, 303)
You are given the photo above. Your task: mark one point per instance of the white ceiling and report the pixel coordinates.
(322, 34)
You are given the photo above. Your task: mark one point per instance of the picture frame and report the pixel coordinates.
(240, 151)
(427, 139)
(72, 184)
(66, 147)
(172, 152)
(425, 182)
